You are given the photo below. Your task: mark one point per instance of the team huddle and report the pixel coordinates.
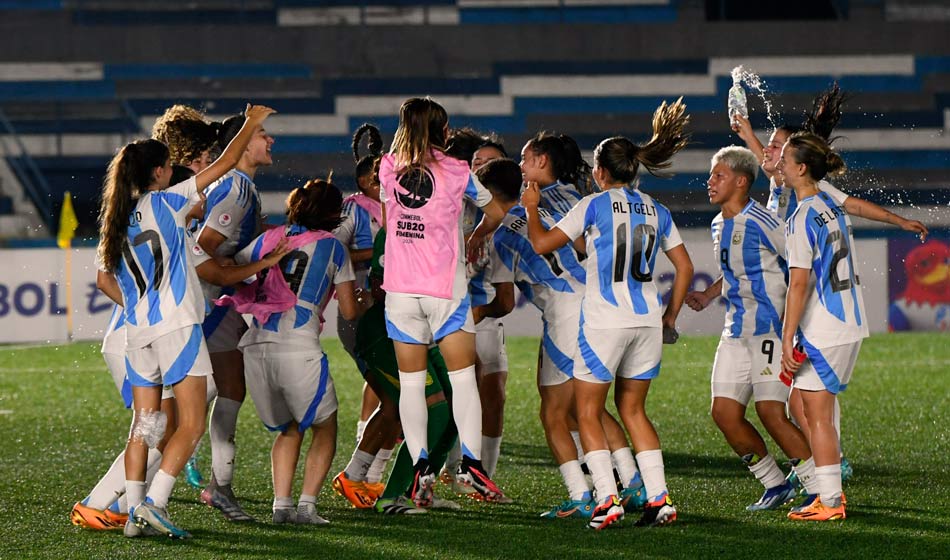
(423, 262)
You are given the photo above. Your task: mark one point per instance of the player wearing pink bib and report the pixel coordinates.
(427, 291)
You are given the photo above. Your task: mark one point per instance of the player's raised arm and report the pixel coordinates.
(542, 241)
(254, 118)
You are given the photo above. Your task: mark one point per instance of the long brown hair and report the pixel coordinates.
(422, 124)
(622, 158)
(817, 155)
(127, 178)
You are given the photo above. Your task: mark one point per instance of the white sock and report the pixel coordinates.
(467, 410)
(134, 492)
(153, 462)
(829, 483)
(454, 458)
(223, 426)
(491, 449)
(652, 472)
(360, 428)
(602, 473)
(161, 488)
(626, 466)
(375, 472)
(110, 487)
(836, 419)
(576, 436)
(767, 472)
(283, 502)
(307, 499)
(413, 412)
(806, 475)
(574, 480)
(358, 465)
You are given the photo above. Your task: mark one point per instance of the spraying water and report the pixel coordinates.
(755, 84)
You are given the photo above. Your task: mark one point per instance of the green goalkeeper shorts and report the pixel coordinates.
(374, 347)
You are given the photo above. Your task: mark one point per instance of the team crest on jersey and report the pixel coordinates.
(737, 238)
(224, 219)
(419, 185)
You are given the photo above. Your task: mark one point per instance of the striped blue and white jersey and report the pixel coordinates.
(818, 238)
(548, 281)
(113, 341)
(233, 209)
(750, 248)
(559, 197)
(625, 229)
(160, 288)
(311, 271)
(357, 232)
(782, 201)
(479, 274)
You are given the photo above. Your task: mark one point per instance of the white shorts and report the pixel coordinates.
(748, 367)
(558, 352)
(630, 353)
(827, 369)
(490, 345)
(289, 385)
(168, 359)
(426, 319)
(223, 329)
(116, 365)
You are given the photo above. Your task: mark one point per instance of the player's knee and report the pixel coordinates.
(724, 417)
(148, 427)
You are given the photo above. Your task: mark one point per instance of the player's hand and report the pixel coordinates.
(697, 301)
(531, 196)
(916, 227)
(670, 336)
(255, 114)
(789, 363)
(742, 127)
(197, 211)
(279, 252)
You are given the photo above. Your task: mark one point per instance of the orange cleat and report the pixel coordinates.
(96, 519)
(374, 489)
(817, 511)
(354, 491)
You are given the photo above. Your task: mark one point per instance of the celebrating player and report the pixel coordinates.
(144, 265)
(622, 322)
(749, 243)
(424, 278)
(824, 311)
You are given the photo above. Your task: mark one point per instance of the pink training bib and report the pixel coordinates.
(422, 224)
(374, 208)
(273, 294)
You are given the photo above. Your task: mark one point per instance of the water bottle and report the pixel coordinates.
(737, 100)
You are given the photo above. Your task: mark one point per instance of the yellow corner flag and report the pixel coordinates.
(67, 222)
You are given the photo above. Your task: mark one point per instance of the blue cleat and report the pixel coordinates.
(193, 475)
(847, 471)
(633, 499)
(571, 508)
(148, 515)
(774, 498)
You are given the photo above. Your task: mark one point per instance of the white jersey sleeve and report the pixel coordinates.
(575, 222)
(344, 272)
(477, 192)
(799, 247)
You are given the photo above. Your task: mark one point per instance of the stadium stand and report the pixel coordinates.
(61, 121)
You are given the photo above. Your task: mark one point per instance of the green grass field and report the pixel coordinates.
(62, 424)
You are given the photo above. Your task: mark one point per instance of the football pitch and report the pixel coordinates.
(62, 423)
